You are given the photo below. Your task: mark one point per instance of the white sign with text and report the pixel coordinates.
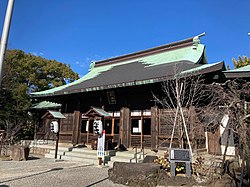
(101, 145)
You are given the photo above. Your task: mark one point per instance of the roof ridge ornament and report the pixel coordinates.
(196, 40)
(91, 66)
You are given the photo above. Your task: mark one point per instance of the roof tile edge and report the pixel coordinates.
(166, 47)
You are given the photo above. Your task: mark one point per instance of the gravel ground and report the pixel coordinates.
(47, 172)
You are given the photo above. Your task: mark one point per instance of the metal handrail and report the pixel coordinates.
(136, 153)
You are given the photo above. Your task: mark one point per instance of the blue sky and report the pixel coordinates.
(76, 32)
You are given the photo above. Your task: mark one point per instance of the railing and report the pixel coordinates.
(138, 153)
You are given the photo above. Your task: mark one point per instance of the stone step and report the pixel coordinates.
(65, 148)
(48, 146)
(81, 154)
(52, 156)
(83, 159)
(119, 159)
(125, 153)
(59, 152)
(83, 150)
(49, 155)
(92, 154)
(90, 151)
(79, 159)
(45, 146)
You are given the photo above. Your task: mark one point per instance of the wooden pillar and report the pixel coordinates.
(47, 128)
(125, 127)
(154, 127)
(113, 128)
(76, 127)
(79, 138)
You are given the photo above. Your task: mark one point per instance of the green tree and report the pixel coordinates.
(242, 61)
(36, 72)
(25, 73)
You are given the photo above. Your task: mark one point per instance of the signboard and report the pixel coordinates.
(181, 155)
(111, 97)
(101, 145)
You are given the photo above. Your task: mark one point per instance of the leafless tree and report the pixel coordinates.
(234, 95)
(181, 94)
(210, 102)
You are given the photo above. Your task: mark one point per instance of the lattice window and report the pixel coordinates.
(67, 123)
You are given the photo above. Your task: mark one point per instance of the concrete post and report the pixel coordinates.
(5, 35)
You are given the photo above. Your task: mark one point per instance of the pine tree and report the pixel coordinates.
(242, 61)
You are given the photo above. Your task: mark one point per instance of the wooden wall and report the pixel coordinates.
(159, 137)
(66, 129)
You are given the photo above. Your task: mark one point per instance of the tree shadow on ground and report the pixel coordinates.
(40, 173)
(97, 182)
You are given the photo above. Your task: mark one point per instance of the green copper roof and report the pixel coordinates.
(241, 69)
(97, 111)
(101, 112)
(45, 105)
(57, 114)
(243, 72)
(189, 52)
(200, 68)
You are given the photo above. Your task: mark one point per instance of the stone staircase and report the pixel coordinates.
(60, 152)
(85, 154)
(89, 156)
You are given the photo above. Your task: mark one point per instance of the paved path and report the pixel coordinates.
(46, 172)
